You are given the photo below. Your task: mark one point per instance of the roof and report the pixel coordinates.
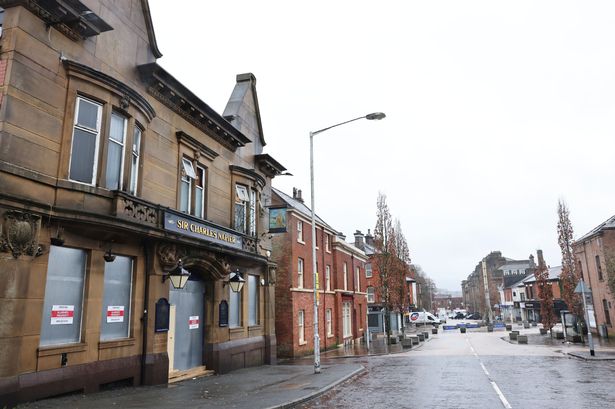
(351, 248)
(301, 208)
(554, 273)
(608, 224)
(515, 265)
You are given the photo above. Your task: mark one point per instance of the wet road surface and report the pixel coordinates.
(476, 370)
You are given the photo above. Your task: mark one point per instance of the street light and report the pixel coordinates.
(372, 116)
(178, 276)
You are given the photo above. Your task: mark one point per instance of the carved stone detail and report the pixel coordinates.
(19, 233)
(249, 244)
(134, 210)
(169, 255)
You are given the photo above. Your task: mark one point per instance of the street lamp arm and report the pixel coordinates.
(375, 115)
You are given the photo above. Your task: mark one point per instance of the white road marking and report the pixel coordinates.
(501, 395)
(493, 384)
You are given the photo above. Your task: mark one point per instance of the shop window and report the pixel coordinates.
(117, 294)
(234, 319)
(370, 294)
(84, 149)
(301, 326)
(63, 304)
(300, 273)
(329, 327)
(253, 291)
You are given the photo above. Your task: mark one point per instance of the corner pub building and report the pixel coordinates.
(113, 176)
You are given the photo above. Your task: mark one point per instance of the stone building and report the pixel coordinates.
(594, 253)
(340, 266)
(113, 176)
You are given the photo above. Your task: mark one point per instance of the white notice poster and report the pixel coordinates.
(193, 322)
(115, 313)
(62, 314)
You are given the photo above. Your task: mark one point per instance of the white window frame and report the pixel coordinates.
(252, 215)
(301, 326)
(253, 300)
(328, 277)
(371, 292)
(242, 199)
(345, 276)
(328, 243)
(300, 231)
(111, 141)
(357, 277)
(328, 322)
(95, 132)
(203, 190)
(187, 176)
(135, 160)
(347, 319)
(368, 270)
(300, 269)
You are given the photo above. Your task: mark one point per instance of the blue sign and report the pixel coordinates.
(201, 230)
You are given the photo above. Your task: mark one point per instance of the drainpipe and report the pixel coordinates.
(144, 318)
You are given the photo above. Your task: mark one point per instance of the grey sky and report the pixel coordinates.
(495, 110)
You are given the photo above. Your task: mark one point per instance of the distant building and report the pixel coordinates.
(594, 254)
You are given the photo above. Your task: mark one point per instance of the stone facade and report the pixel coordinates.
(105, 156)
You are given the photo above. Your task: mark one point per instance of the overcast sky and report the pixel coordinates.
(495, 110)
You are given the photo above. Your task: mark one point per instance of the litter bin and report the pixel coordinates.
(603, 331)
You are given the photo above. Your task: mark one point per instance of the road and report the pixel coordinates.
(476, 370)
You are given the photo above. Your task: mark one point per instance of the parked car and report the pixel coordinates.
(460, 316)
(473, 316)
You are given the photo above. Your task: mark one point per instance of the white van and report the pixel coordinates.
(423, 318)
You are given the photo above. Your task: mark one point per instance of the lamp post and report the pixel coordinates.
(373, 116)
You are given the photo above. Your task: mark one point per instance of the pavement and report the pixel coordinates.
(285, 385)
(293, 382)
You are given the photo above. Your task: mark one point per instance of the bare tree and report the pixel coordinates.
(545, 294)
(569, 277)
(384, 257)
(401, 269)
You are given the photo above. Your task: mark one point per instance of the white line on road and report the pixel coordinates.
(501, 395)
(484, 369)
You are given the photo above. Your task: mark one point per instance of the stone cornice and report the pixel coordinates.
(128, 94)
(173, 94)
(189, 140)
(250, 173)
(268, 165)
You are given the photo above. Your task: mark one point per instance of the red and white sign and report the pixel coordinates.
(62, 314)
(193, 322)
(115, 313)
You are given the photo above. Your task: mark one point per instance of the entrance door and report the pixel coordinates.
(189, 302)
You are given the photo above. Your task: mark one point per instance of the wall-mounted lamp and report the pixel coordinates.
(58, 240)
(109, 257)
(236, 281)
(178, 276)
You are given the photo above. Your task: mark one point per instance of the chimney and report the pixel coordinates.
(369, 239)
(297, 195)
(532, 263)
(541, 260)
(341, 236)
(358, 240)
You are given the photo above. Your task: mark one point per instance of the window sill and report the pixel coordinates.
(61, 349)
(116, 343)
(329, 335)
(236, 330)
(255, 327)
(301, 343)
(300, 241)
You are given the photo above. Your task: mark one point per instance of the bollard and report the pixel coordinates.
(462, 330)
(513, 335)
(508, 327)
(434, 330)
(522, 339)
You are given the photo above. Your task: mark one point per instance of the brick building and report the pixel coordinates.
(594, 253)
(113, 175)
(341, 282)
